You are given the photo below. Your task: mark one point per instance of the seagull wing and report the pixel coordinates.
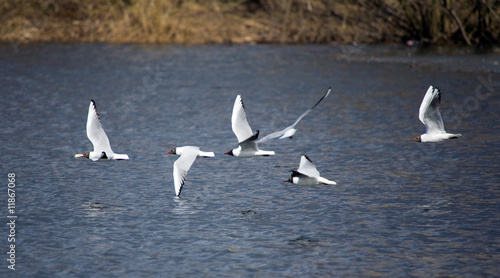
(239, 122)
(95, 132)
(182, 165)
(429, 111)
(272, 136)
(307, 167)
(281, 132)
(310, 109)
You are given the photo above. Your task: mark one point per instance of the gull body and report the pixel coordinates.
(307, 174)
(248, 146)
(430, 116)
(180, 150)
(95, 133)
(290, 130)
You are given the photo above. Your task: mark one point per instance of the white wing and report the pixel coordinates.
(95, 132)
(281, 132)
(307, 167)
(182, 165)
(272, 136)
(429, 111)
(239, 122)
(310, 109)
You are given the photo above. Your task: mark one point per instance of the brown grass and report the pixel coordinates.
(463, 22)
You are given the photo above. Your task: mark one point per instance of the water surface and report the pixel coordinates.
(399, 208)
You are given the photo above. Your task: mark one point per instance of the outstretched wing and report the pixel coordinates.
(282, 132)
(307, 167)
(310, 109)
(182, 165)
(95, 132)
(429, 111)
(239, 122)
(271, 136)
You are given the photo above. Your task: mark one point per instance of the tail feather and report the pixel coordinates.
(326, 181)
(206, 154)
(120, 156)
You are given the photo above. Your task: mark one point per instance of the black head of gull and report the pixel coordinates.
(172, 151)
(86, 154)
(416, 139)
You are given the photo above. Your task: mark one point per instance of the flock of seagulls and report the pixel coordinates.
(306, 174)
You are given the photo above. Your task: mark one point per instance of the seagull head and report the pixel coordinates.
(83, 155)
(172, 151)
(416, 139)
(290, 179)
(230, 153)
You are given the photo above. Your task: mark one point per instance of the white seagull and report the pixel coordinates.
(246, 138)
(429, 115)
(307, 174)
(180, 150)
(102, 149)
(182, 165)
(289, 131)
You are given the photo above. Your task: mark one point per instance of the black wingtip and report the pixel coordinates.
(95, 108)
(241, 101)
(438, 92)
(180, 190)
(323, 97)
(307, 157)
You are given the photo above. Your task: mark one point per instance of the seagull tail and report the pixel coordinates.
(325, 181)
(120, 156)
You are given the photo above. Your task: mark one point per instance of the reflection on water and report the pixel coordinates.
(182, 207)
(399, 208)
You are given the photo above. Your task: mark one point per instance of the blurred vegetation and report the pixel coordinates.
(434, 22)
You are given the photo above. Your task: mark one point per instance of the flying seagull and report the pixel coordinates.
(429, 115)
(289, 131)
(102, 149)
(246, 138)
(307, 174)
(182, 165)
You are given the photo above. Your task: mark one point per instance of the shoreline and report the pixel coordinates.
(189, 22)
(349, 49)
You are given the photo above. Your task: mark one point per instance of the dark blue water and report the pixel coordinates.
(399, 208)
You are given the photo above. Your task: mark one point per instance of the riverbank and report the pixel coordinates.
(429, 22)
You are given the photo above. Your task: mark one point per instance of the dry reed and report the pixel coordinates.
(441, 22)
